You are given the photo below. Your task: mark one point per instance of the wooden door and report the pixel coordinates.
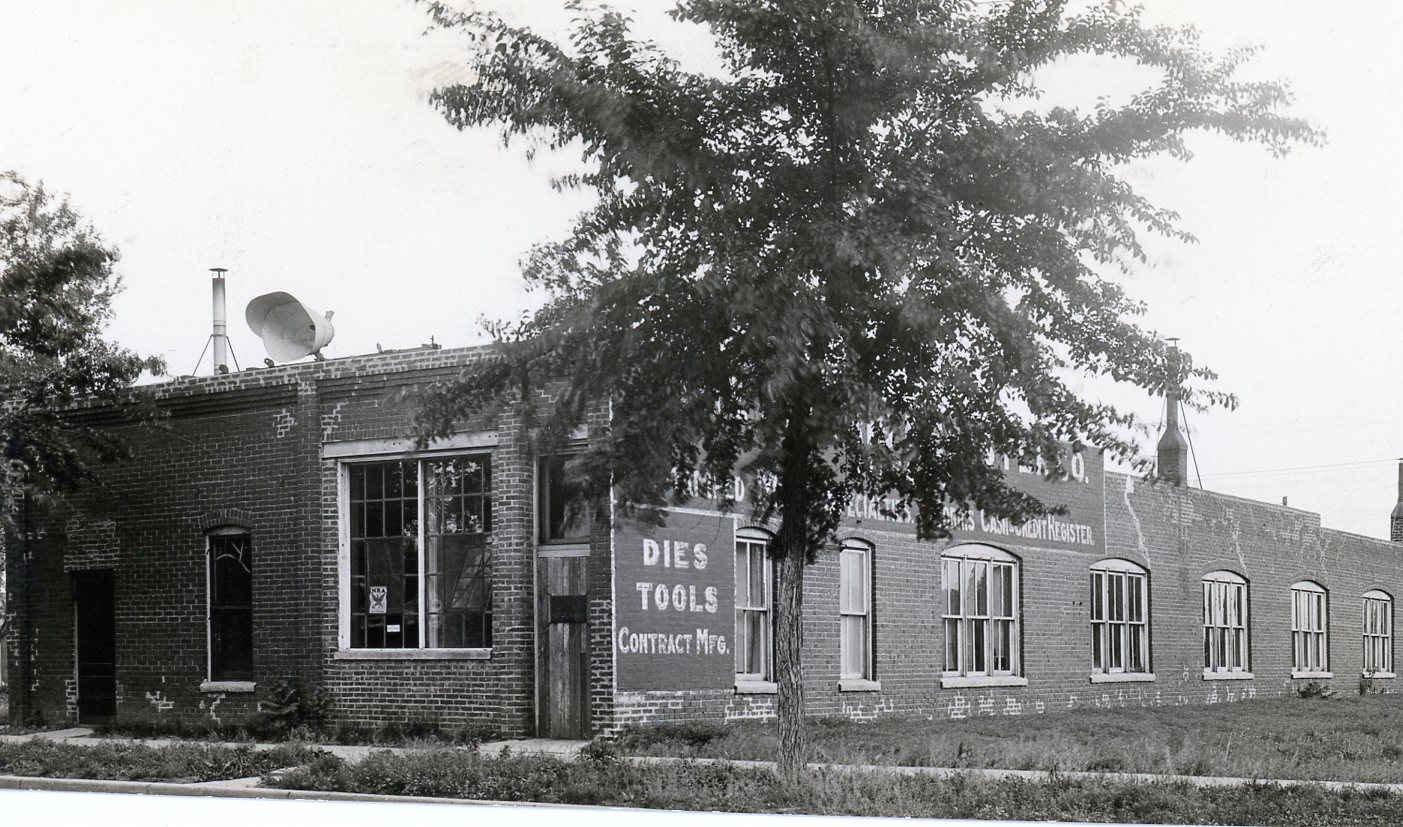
(562, 602)
(96, 645)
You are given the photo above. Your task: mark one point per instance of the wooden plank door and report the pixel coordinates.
(95, 645)
(562, 602)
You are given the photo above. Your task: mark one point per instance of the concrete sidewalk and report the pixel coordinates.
(250, 787)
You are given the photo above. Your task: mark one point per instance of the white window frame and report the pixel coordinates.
(855, 612)
(969, 656)
(1310, 630)
(1116, 586)
(763, 680)
(346, 454)
(1227, 642)
(1377, 659)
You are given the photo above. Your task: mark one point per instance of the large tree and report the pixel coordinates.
(56, 290)
(861, 255)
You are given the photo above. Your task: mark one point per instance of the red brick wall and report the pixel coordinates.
(245, 449)
(1177, 534)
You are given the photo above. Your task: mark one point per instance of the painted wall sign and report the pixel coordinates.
(1081, 490)
(674, 603)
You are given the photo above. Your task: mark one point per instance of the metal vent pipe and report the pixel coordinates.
(220, 335)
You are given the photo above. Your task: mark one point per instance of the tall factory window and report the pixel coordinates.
(754, 588)
(1378, 634)
(1225, 641)
(230, 605)
(980, 612)
(1310, 624)
(1120, 619)
(855, 610)
(420, 563)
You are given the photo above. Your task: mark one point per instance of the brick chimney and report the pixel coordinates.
(1395, 520)
(1173, 464)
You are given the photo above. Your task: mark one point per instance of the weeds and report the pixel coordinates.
(129, 761)
(722, 787)
(1346, 738)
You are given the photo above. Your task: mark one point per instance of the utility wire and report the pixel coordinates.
(1302, 468)
(1185, 416)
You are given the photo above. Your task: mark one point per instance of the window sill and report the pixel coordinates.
(1210, 675)
(1296, 674)
(231, 687)
(971, 681)
(858, 685)
(1122, 677)
(1379, 675)
(756, 687)
(413, 654)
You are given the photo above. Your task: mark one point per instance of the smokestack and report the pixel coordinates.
(1173, 448)
(1395, 520)
(220, 335)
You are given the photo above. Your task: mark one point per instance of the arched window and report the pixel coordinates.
(1120, 619)
(1310, 623)
(980, 617)
(754, 588)
(1225, 640)
(1378, 633)
(230, 550)
(855, 611)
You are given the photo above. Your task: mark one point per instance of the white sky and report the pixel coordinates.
(292, 144)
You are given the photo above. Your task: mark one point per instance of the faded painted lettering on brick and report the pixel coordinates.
(1079, 490)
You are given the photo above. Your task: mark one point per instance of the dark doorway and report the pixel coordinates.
(96, 645)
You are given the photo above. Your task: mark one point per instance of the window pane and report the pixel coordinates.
(951, 581)
(1098, 591)
(564, 507)
(952, 645)
(759, 595)
(742, 579)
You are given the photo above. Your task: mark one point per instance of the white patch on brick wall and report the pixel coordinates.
(331, 420)
(1071, 701)
(1134, 518)
(283, 423)
(1039, 707)
(986, 705)
(1213, 696)
(861, 712)
(161, 704)
(1012, 706)
(214, 702)
(1237, 541)
(959, 708)
(1250, 692)
(70, 699)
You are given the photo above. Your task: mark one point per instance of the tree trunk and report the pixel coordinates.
(789, 643)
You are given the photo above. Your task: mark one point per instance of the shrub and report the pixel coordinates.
(1315, 690)
(288, 709)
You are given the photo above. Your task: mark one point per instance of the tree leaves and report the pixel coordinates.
(56, 288)
(858, 222)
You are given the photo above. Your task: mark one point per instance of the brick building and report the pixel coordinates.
(284, 528)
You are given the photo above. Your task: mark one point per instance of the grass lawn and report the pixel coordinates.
(1357, 738)
(126, 761)
(603, 780)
